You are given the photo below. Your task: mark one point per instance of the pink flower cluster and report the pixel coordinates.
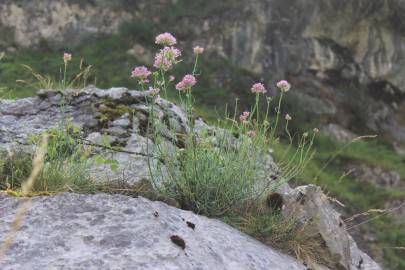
(166, 58)
(141, 73)
(258, 88)
(244, 116)
(166, 39)
(67, 57)
(187, 82)
(283, 85)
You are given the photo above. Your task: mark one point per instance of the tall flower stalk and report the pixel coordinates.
(67, 57)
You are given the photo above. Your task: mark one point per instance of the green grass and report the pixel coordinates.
(66, 168)
(111, 69)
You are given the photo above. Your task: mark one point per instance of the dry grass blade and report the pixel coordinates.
(42, 82)
(37, 166)
(367, 213)
(397, 248)
(371, 211)
(83, 75)
(337, 153)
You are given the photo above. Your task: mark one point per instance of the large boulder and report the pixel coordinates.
(117, 115)
(100, 232)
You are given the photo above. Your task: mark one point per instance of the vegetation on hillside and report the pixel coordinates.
(217, 172)
(220, 81)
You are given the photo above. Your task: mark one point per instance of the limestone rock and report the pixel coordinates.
(85, 232)
(116, 116)
(310, 206)
(103, 116)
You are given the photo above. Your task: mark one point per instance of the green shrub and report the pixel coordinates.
(67, 165)
(14, 169)
(213, 177)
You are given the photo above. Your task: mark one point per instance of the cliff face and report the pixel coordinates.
(344, 58)
(26, 23)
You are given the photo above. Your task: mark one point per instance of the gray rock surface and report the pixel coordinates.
(116, 115)
(310, 206)
(100, 232)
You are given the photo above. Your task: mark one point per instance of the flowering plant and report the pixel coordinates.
(215, 170)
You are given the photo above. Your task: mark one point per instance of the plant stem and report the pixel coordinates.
(64, 77)
(273, 132)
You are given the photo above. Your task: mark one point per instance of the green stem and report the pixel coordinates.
(257, 107)
(162, 73)
(64, 76)
(273, 132)
(288, 133)
(195, 65)
(267, 110)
